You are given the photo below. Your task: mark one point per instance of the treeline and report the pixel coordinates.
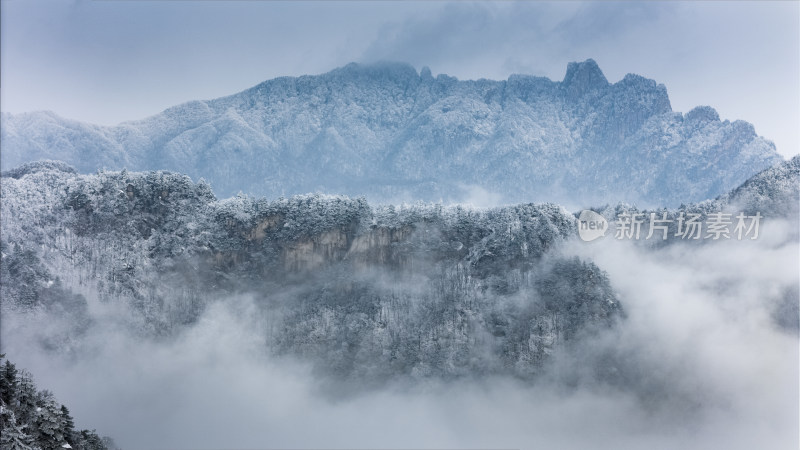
(32, 419)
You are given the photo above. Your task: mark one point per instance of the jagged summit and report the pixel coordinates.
(393, 134)
(584, 75)
(425, 73)
(382, 69)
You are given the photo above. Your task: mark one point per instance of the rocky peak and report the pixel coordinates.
(583, 77)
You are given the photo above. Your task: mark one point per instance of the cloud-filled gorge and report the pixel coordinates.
(168, 319)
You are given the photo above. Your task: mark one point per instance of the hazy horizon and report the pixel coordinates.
(109, 62)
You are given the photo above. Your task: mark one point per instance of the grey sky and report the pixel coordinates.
(110, 61)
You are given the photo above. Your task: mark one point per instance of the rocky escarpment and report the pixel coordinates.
(420, 290)
(369, 291)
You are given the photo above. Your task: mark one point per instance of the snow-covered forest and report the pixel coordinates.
(33, 419)
(365, 291)
(369, 297)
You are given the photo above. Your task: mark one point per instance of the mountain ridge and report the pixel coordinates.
(394, 134)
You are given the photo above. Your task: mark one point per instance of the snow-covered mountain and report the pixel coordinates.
(369, 291)
(378, 292)
(390, 133)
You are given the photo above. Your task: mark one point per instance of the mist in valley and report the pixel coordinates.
(699, 360)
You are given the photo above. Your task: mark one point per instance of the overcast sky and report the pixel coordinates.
(110, 61)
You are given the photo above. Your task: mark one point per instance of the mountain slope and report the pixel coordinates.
(392, 134)
(374, 292)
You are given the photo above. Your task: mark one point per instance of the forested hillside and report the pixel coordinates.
(376, 291)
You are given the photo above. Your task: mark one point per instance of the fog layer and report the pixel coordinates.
(699, 362)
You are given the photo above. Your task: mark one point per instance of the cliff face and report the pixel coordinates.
(388, 133)
(378, 292)
(373, 291)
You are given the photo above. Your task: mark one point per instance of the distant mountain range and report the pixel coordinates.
(392, 134)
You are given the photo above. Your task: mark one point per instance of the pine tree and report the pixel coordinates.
(91, 441)
(69, 425)
(26, 397)
(49, 422)
(8, 382)
(34, 420)
(13, 435)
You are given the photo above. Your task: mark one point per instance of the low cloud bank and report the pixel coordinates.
(698, 363)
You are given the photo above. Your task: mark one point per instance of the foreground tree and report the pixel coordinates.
(34, 420)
